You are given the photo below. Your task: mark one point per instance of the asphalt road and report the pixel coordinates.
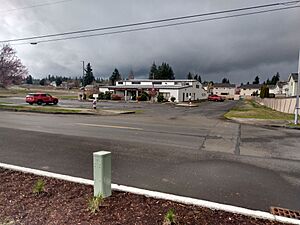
(185, 151)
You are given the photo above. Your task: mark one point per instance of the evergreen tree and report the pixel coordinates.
(88, 77)
(115, 77)
(256, 80)
(153, 71)
(264, 92)
(43, 82)
(225, 81)
(165, 72)
(58, 81)
(189, 76)
(198, 78)
(275, 79)
(29, 80)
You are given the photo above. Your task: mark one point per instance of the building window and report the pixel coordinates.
(156, 82)
(135, 82)
(187, 95)
(197, 86)
(120, 82)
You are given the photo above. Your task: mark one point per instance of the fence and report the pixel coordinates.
(286, 105)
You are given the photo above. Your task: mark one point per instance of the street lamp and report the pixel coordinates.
(297, 95)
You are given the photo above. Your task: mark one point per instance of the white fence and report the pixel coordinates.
(286, 105)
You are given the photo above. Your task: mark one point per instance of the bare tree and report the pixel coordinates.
(12, 71)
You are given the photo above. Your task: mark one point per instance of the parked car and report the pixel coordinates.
(41, 98)
(215, 98)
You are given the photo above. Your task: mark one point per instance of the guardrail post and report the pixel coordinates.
(102, 173)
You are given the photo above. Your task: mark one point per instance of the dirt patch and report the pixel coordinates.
(67, 203)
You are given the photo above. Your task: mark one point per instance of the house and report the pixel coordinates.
(225, 90)
(292, 84)
(250, 89)
(181, 90)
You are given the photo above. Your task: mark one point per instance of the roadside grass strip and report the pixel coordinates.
(249, 109)
(41, 109)
(159, 195)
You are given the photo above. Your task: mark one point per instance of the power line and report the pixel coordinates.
(153, 21)
(159, 26)
(34, 6)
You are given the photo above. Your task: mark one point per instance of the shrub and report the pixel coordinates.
(101, 96)
(160, 98)
(39, 187)
(107, 95)
(116, 97)
(95, 203)
(173, 99)
(169, 217)
(143, 97)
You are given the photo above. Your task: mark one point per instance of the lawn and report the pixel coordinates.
(252, 110)
(41, 109)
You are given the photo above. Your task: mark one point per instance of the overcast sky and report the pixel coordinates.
(236, 48)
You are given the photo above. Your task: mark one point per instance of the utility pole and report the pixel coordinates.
(297, 97)
(82, 69)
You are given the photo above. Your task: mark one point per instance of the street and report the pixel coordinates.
(185, 151)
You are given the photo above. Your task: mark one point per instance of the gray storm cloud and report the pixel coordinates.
(238, 48)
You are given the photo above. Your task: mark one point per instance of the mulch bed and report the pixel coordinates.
(64, 202)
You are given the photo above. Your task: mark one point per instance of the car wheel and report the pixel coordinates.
(55, 102)
(39, 102)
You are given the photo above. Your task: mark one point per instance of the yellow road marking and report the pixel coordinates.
(109, 126)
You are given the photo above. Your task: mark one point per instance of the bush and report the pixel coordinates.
(173, 99)
(116, 97)
(160, 98)
(101, 96)
(107, 95)
(144, 97)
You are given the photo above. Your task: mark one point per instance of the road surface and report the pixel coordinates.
(186, 151)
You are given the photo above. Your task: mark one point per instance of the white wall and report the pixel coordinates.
(229, 91)
(292, 88)
(248, 92)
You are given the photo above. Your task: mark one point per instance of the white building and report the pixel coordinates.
(225, 90)
(250, 89)
(181, 90)
(292, 84)
(280, 89)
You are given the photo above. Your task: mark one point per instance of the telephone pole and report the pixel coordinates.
(297, 95)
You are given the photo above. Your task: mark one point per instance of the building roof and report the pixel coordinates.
(128, 87)
(150, 80)
(271, 86)
(251, 86)
(294, 76)
(224, 85)
(281, 83)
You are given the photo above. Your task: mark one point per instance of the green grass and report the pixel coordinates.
(67, 97)
(252, 110)
(42, 109)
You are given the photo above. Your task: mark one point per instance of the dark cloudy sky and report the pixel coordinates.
(236, 48)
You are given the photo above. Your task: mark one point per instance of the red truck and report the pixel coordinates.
(41, 98)
(215, 98)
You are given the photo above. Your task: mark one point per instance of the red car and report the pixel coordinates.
(215, 98)
(40, 98)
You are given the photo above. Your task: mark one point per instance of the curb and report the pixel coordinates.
(160, 195)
